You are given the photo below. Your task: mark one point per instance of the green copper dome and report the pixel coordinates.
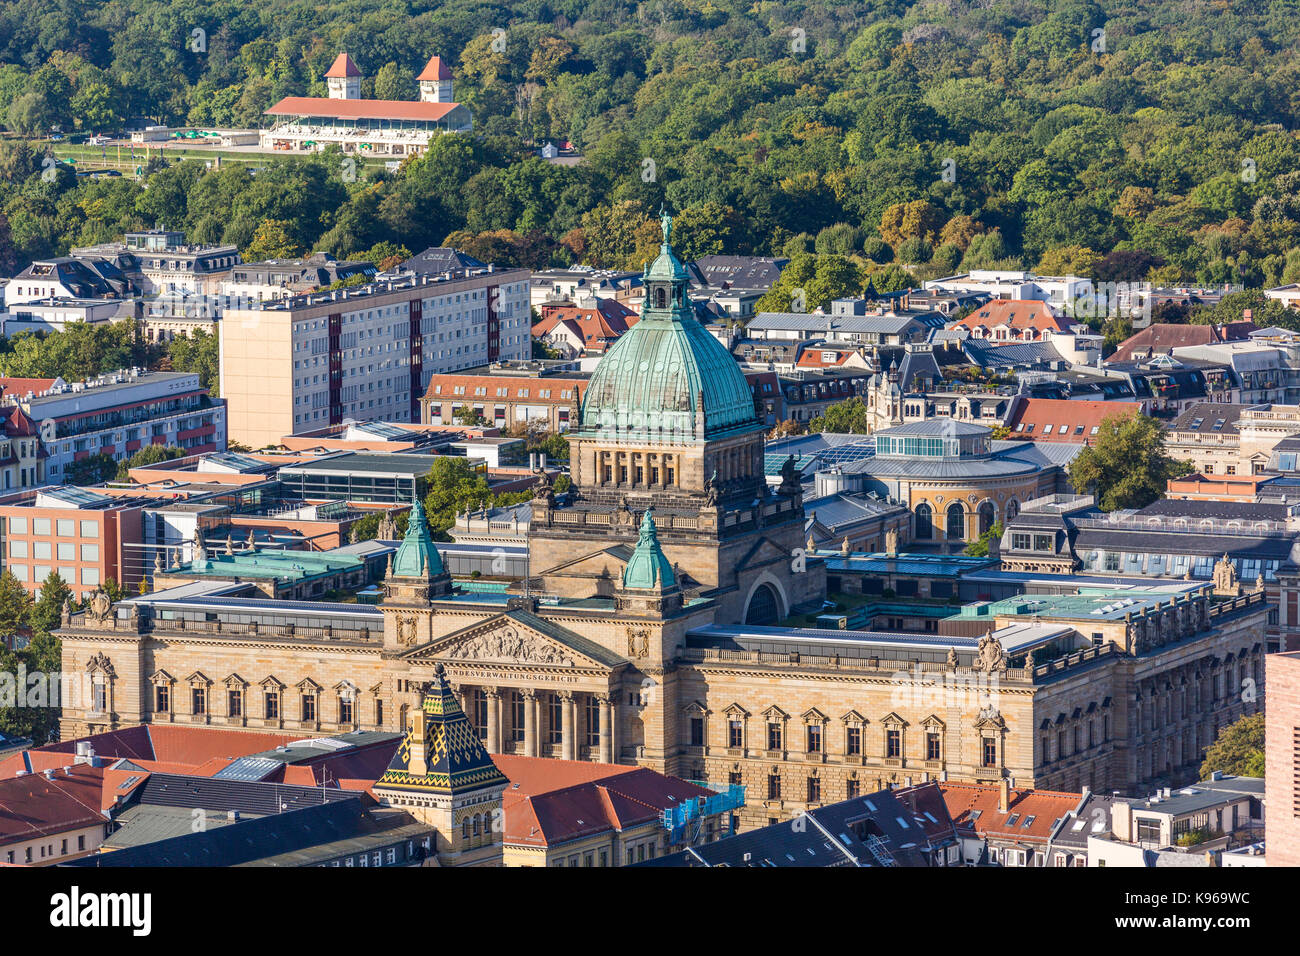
(416, 556)
(667, 378)
(648, 567)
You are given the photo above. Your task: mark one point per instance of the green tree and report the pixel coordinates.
(1239, 749)
(980, 547)
(272, 240)
(454, 486)
(148, 455)
(848, 417)
(15, 607)
(199, 352)
(92, 470)
(47, 613)
(1126, 465)
(393, 82)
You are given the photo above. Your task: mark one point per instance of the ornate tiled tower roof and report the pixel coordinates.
(441, 754)
(649, 566)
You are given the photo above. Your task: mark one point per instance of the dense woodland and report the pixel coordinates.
(930, 136)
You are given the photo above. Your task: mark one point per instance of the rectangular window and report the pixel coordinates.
(989, 750)
(773, 786)
(814, 738)
(814, 790)
(272, 702)
(308, 706)
(162, 698)
(517, 716)
(774, 735)
(556, 709)
(697, 731)
(932, 749)
(853, 741)
(735, 733)
(199, 700)
(235, 702)
(893, 743)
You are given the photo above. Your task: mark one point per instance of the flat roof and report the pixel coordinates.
(415, 464)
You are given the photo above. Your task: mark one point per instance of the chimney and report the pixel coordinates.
(1004, 795)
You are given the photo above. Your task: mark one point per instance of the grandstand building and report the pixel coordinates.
(367, 127)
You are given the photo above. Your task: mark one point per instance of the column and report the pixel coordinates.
(606, 730)
(530, 723)
(568, 746)
(493, 720)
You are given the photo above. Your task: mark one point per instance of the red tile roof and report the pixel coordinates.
(1016, 314)
(1063, 420)
(1161, 337)
(598, 327)
(550, 801)
(815, 356)
(1030, 817)
(164, 747)
(18, 387)
(342, 67)
(33, 806)
(435, 69)
(360, 109)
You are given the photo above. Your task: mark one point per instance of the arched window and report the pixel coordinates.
(924, 521)
(1013, 508)
(661, 298)
(763, 606)
(476, 825)
(464, 828)
(956, 522)
(988, 515)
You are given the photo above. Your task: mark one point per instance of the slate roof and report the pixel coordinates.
(1209, 418)
(439, 259)
(259, 840)
(988, 354)
(838, 835)
(739, 272)
(1160, 337)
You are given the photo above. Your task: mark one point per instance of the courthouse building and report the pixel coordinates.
(648, 631)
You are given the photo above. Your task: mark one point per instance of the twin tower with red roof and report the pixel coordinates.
(344, 80)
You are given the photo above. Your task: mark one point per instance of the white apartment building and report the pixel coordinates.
(120, 413)
(367, 352)
(1059, 291)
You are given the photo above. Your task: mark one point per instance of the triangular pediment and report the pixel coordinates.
(606, 563)
(763, 553)
(517, 637)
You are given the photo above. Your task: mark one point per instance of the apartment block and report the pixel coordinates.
(120, 413)
(365, 353)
